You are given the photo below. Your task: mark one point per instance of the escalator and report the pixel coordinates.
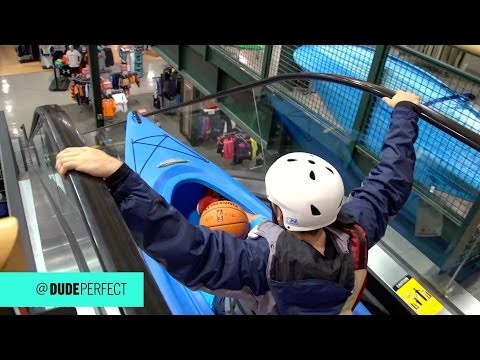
(67, 225)
(280, 123)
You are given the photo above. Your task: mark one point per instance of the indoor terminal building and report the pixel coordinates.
(200, 126)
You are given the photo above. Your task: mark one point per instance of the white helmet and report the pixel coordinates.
(308, 190)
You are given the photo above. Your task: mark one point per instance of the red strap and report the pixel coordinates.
(358, 237)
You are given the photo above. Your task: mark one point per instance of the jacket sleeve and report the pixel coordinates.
(388, 185)
(194, 255)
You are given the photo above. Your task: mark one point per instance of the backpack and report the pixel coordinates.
(357, 246)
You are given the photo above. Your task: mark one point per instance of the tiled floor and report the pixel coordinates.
(9, 64)
(21, 93)
(84, 119)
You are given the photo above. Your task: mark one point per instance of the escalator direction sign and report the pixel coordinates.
(417, 297)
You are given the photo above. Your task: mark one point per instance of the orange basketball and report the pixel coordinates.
(227, 216)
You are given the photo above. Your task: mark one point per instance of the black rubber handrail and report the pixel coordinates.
(433, 117)
(113, 241)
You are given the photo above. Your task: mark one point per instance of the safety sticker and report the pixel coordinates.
(417, 297)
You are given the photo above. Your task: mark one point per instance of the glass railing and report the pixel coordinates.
(110, 138)
(10, 191)
(428, 236)
(66, 242)
(77, 230)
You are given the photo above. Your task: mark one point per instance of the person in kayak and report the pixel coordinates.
(310, 258)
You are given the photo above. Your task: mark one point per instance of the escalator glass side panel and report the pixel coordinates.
(66, 241)
(86, 211)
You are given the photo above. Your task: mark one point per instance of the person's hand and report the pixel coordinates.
(401, 96)
(88, 160)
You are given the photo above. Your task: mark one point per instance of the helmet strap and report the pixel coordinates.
(274, 215)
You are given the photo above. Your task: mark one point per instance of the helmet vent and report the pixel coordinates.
(315, 211)
(292, 160)
(312, 175)
(329, 170)
(311, 162)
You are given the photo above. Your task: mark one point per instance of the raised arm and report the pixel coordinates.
(194, 255)
(388, 185)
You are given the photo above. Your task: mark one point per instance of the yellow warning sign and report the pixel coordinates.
(415, 295)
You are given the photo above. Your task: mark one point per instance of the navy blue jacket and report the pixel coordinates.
(216, 261)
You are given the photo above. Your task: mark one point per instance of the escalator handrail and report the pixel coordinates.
(113, 241)
(449, 126)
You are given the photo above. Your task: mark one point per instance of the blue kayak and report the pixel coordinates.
(443, 162)
(181, 175)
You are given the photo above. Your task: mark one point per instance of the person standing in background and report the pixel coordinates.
(74, 58)
(101, 57)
